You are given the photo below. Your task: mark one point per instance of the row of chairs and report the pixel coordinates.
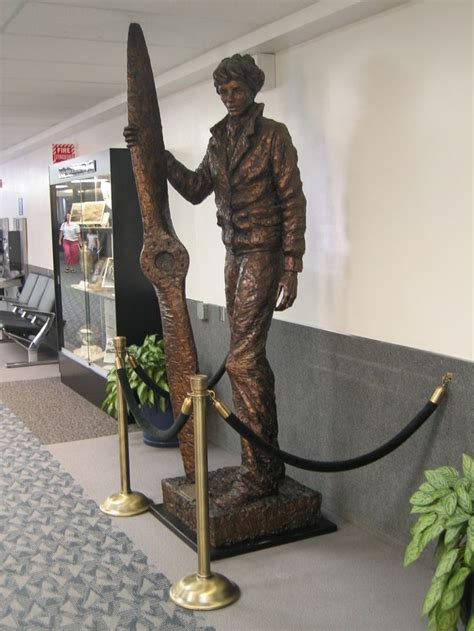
(29, 318)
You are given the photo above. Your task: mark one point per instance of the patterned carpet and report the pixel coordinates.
(63, 564)
(54, 412)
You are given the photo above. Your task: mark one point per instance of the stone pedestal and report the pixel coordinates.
(294, 513)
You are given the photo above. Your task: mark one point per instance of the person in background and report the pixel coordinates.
(70, 239)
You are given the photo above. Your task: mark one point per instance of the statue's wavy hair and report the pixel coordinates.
(239, 68)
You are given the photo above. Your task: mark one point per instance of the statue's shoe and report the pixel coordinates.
(241, 494)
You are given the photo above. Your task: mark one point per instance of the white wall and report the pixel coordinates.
(380, 112)
(27, 178)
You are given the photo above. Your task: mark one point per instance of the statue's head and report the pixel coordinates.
(237, 80)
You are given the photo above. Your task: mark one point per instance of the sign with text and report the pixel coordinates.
(78, 168)
(63, 152)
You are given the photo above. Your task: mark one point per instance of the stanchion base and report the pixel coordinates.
(294, 513)
(125, 504)
(195, 592)
(186, 534)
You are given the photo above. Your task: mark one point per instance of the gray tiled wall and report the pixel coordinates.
(340, 396)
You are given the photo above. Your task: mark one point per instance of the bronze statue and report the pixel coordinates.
(251, 166)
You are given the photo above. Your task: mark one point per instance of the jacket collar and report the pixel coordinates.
(248, 129)
(255, 110)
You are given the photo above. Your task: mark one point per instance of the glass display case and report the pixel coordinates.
(97, 239)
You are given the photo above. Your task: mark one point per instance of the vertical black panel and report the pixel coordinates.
(14, 249)
(136, 304)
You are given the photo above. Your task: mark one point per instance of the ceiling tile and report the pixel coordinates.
(62, 49)
(67, 101)
(58, 71)
(8, 8)
(39, 86)
(74, 22)
(20, 132)
(261, 12)
(43, 116)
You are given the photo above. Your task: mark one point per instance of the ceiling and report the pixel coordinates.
(62, 57)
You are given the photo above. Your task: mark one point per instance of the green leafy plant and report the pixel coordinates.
(151, 357)
(445, 503)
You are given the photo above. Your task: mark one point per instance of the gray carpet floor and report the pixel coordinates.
(64, 565)
(54, 412)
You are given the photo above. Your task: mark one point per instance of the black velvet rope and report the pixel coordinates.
(163, 435)
(336, 465)
(140, 372)
(217, 377)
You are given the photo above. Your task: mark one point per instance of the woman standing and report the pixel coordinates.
(70, 239)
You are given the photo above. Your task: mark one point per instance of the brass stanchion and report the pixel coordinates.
(203, 590)
(126, 503)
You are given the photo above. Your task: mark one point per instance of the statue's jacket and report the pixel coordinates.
(258, 191)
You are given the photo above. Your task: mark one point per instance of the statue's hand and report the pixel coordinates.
(131, 136)
(287, 290)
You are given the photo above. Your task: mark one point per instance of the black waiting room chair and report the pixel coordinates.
(29, 318)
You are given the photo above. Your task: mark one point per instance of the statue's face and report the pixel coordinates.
(236, 96)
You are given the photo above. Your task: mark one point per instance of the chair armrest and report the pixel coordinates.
(31, 310)
(10, 300)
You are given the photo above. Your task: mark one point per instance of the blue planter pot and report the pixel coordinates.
(468, 599)
(160, 420)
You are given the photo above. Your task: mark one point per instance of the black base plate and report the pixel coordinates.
(187, 535)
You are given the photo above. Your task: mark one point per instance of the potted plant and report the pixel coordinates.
(445, 502)
(151, 357)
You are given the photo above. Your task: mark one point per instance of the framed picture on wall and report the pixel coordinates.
(108, 279)
(76, 212)
(92, 212)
